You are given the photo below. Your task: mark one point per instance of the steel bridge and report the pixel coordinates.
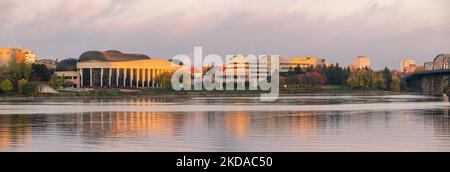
(434, 79)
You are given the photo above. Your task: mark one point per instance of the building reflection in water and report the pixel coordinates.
(16, 130)
(104, 124)
(238, 123)
(305, 123)
(439, 120)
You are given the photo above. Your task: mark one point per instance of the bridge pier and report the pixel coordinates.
(430, 83)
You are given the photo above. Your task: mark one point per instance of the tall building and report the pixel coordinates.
(243, 69)
(30, 57)
(16, 54)
(407, 65)
(361, 62)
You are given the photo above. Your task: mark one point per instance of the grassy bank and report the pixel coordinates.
(168, 93)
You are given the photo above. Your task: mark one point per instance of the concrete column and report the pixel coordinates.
(110, 75)
(138, 76)
(101, 77)
(153, 77)
(81, 77)
(143, 77)
(148, 77)
(117, 76)
(158, 72)
(131, 77)
(124, 77)
(90, 74)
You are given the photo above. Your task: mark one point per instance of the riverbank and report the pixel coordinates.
(169, 93)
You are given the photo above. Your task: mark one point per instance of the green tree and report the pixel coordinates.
(40, 72)
(3, 73)
(395, 83)
(298, 70)
(379, 81)
(21, 83)
(56, 82)
(24, 87)
(387, 78)
(6, 85)
(310, 69)
(290, 71)
(361, 79)
(18, 71)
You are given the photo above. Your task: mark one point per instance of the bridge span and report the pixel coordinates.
(435, 78)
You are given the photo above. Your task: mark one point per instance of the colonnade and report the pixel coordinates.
(123, 77)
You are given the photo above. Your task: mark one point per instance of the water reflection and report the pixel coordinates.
(402, 130)
(13, 130)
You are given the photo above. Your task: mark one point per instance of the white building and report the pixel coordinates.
(406, 65)
(361, 62)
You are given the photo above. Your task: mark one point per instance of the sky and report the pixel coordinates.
(337, 30)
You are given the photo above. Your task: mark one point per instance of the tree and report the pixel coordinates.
(395, 83)
(21, 83)
(24, 87)
(403, 84)
(314, 79)
(310, 68)
(387, 78)
(335, 74)
(40, 72)
(308, 79)
(68, 84)
(56, 82)
(18, 71)
(290, 71)
(379, 81)
(3, 73)
(165, 79)
(298, 70)
(6, 85)
(361, 79)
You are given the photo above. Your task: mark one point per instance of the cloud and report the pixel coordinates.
(385, 30)
(5, 13)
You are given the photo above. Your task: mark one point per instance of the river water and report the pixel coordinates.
(292, 123)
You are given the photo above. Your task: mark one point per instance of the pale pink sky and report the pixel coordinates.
(385, 30)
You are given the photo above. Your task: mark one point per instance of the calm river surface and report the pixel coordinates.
(295, 123)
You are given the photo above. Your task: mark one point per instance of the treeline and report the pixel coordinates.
(21, 77)
(336, 75)
(385, 80)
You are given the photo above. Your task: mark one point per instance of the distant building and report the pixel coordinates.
(361, 62)
(407, 65)
(50, 63)
(67, 69)
(240, 67)
(428, 66)
(17, 55)
(303, 62)
(30, 57)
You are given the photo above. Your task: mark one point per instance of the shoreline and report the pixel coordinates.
(6, 98)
